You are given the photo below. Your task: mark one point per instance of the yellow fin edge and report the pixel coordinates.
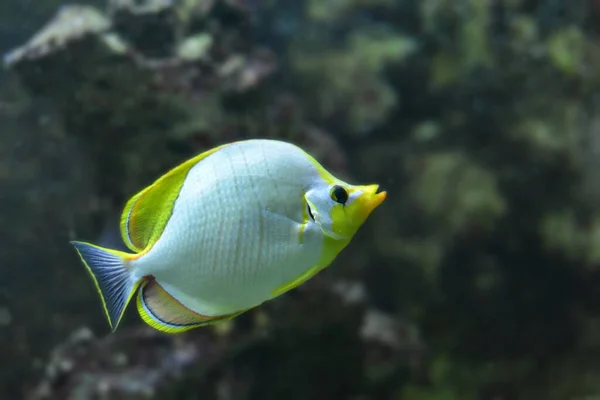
(141, 228)
(163, 326)
(125, 221)
(114, 323)
(298, 281)
(331, 248)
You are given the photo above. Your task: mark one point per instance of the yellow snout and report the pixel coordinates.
(369, 200)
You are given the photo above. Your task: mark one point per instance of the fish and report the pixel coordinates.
(224, 232)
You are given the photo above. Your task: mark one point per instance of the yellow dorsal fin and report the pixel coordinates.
(146, 214)
(164, 312)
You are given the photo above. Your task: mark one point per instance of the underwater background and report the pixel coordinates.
(478, 278)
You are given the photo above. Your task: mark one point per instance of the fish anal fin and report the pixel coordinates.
(163, 312)
(146, 214)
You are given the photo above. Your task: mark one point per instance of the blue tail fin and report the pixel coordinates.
(112, 277)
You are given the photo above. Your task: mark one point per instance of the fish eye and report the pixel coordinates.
(339, 194)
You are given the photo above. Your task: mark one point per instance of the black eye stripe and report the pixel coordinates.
(339, 194)
(310, 212)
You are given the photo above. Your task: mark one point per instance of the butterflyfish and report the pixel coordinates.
(225, 231)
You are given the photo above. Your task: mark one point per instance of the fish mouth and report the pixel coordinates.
(375, 196)
(372, 198)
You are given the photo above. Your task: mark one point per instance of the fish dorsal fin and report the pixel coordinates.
(162, 311)
(147, 213)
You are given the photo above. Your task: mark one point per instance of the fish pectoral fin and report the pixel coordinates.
(163, 312)
(146, 214)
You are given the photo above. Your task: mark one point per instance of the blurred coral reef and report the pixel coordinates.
(479, 278)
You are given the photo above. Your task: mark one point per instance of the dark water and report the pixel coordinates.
(478, 278)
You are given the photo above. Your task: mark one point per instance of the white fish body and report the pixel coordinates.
(226, 231)
(236, 233)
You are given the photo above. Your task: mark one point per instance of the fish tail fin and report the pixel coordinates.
(112, 275)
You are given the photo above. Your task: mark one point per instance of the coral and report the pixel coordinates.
(143, 363)
(354, 88)
(456, 194)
